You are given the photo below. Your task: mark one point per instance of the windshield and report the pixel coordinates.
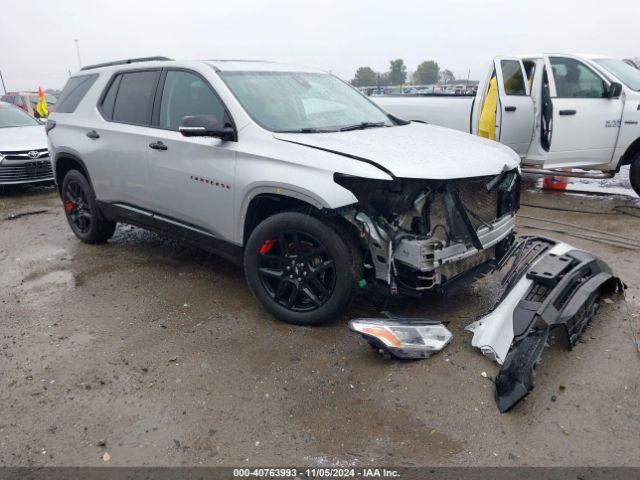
(626, 73)
(14, 117)
(303, 102)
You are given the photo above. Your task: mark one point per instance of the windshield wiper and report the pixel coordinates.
(362, 126)
(308, 130)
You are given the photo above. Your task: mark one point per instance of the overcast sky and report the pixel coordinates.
(37, 47)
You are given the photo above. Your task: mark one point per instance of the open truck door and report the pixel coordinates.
(515, 107)
(514, 110)
(586, 112)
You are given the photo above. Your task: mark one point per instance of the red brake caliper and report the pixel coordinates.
(267, 246)
(68, 206)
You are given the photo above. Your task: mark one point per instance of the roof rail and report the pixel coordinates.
(126, 62)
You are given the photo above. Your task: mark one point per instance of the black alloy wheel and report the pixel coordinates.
(297, 271)
(77, 207)
(303, 268)
(634, 173)
(82, 212)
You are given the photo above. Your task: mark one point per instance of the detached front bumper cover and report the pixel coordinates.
(404, 338)
(548, 284)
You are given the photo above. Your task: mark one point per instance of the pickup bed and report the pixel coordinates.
(556, 111)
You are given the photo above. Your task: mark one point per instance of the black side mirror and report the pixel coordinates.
(615, 90)
(205, 126)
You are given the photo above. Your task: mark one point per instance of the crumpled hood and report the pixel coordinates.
(14, 139)
(416, 150)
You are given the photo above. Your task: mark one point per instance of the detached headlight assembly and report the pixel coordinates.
(404, 338)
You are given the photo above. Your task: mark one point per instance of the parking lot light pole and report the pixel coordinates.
(78, 52)
(3, 85)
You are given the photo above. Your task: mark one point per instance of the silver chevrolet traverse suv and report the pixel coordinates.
(286, 170)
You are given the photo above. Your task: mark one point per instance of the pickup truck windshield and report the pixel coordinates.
(303, 102)
(626, 73)
(14, 117)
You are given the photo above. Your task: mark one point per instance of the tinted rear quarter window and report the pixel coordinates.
(73, 92)
(134, 97)
(109, 99)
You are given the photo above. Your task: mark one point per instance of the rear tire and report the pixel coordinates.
(634, 173)
(85, 218)
(300, 268)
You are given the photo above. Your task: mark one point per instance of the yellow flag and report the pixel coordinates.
(41, 107)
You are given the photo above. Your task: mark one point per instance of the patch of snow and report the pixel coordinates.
(618, 185)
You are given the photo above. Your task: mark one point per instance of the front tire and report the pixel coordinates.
(634, 173)
(300, 268)
(84, 216)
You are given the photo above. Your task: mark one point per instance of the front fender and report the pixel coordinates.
(287, 190)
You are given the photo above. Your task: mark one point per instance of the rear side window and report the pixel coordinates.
(134, 97)
(513, 77)
(73, 92)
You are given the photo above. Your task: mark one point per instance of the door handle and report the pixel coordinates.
(567, 112)
(93, 135)
(510, 108)
(158, 145)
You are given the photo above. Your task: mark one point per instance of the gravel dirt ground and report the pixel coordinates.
(159, 355)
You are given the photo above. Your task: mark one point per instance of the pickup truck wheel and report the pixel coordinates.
(634, 174)
(300, 268)
(84, 217)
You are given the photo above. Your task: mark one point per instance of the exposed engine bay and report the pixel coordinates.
(421, 234)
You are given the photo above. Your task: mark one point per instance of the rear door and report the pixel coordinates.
(192, 177)
(585, 121)
(515, 115)
(120, 151)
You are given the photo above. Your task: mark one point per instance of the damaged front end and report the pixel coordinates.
(547, 284)
(422, 234)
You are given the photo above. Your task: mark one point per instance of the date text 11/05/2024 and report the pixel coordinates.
(315, 472)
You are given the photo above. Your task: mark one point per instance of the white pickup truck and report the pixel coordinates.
(557, 111)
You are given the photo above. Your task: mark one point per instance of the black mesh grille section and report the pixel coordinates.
(480, 204)
(26, 172)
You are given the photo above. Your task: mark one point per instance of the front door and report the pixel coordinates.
(192, 177)
(585, 122)
(515, 116)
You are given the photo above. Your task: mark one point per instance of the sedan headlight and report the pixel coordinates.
(403, 338)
